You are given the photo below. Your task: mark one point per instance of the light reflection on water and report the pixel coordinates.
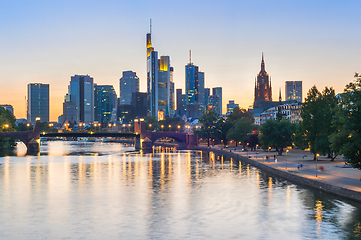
(105, 191)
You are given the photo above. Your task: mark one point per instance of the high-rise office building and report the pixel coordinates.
(180, 110)
(128, 84)
(81, 92)
(207, 93)
(139, 105)
(230, 106)
(158, 81)
(105, 100)
(38, 102)
(217, 91)
(171, 93)
(194, 82)
(263, 88)
(293, 90)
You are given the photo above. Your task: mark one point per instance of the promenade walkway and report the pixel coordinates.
(334, 172)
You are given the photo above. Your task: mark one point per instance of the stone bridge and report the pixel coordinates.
(30, 138)
(184, 140)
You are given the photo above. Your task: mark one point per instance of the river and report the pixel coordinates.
(100, 190)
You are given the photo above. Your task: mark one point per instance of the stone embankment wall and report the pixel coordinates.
(340, 191)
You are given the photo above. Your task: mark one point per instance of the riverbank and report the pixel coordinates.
(298, 166)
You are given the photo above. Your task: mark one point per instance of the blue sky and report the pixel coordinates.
(317, 42)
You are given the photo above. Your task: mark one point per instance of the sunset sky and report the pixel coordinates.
(317, 42)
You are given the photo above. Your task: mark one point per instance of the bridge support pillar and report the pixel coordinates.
(137, 142)
(33, 146)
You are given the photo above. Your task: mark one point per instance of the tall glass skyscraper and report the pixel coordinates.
(217, 91)
(38, 102)
(105, 100)
(159, 74)
(81, 92)
(128, 84)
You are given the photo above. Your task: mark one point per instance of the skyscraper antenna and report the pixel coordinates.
(150, 26)
(190, 56)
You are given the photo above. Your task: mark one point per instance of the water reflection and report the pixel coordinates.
(115, 193)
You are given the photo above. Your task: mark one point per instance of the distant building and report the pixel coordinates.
(105, 100)
(180, 110)
(81, 92)
(291, 111)
(70, 113)
(217, 91)
(124, 113)
(128, 84)
(230, 106)
(263, 88)
(293, 90)
(214, 103)
(207, 93)
(38, 102)
(8, 107)
(139, 105)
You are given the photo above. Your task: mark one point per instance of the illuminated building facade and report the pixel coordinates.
(159, 81)
(105, 100)
(217, 105)
(128, 84)
(263, 88)
(81, 92)
(293, 90)
(38, 102)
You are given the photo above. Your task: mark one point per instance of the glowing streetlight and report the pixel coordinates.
(109, 125)
(286, 157)
(123, 125)
(150, 125)
(6, 125)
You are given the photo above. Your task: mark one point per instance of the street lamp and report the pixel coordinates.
(286, 158)
(317, 155)
(169, 126)
(162, 126)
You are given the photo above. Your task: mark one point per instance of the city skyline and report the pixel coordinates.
(47, 42)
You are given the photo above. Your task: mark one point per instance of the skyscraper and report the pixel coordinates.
(38, 102)
(128, 84)
(105, 100)
(230, 106)
(139, 104)
(294, 90)
(81, 92)
(217, 91)
(194, 82)
(263, 88)
(180, 110)
(158, 80)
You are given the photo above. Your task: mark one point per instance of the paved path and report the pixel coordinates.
(333, 172)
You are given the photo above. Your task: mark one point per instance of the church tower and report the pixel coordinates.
(263, 88)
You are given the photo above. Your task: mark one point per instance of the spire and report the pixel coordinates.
(280, 97)
(150, 26)
(262, 64)
(190, 56)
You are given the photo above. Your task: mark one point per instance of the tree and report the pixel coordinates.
(239, 113)
(240, 130)
(347, 138)
(277, 134)
(173, 123)
(47, 127)
(208, 121)
(221, 129)
(151, 123)
(318, 114)
(7, 124)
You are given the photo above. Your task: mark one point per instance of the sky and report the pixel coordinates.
(316, 42)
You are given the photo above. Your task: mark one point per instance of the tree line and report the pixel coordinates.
(331, 125)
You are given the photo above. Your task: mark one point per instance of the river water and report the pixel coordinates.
(107, 191)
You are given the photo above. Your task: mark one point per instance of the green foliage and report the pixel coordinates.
(277, 134)
(7, 124)
(221, 129)
(347, 137)
(240, 130)
(318, 116)
(208, 121)
(47, 127)
(173, 123)
(239, 113)
(25, 127)
(151, 123)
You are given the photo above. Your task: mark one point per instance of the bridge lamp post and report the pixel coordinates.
(110, 125)
(178, 128)
(317, 155)
(169, 126)
(6, 126)
(162, 126)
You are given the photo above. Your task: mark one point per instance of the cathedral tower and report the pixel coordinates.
(263, 88)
